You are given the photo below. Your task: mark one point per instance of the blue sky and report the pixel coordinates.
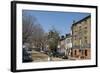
(61, 21)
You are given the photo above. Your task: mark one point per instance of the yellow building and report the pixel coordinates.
(81, 38)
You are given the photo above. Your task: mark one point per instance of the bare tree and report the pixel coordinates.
(33, 32)
(37, 35)
(28, 22)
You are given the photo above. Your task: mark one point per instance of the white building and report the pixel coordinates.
(65, 45)
(68, 45)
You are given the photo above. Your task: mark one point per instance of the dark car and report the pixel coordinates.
(27, 57)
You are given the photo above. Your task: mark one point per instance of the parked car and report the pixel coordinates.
(27, 56)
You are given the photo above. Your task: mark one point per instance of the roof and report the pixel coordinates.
(81, 20)
(66, 36)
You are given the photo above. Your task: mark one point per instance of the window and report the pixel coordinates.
(75, 31)
(85, 27)
(85, 37)
(85, 52)
(74, 37)
(79, 27)
(71, 53)
(68, 40)
(75, 52)
(85, 22)
(85, 31)
(86, 41)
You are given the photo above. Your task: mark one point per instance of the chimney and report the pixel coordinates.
(62, 37)
(74, 21)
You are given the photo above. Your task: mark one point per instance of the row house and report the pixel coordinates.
(65, 44)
